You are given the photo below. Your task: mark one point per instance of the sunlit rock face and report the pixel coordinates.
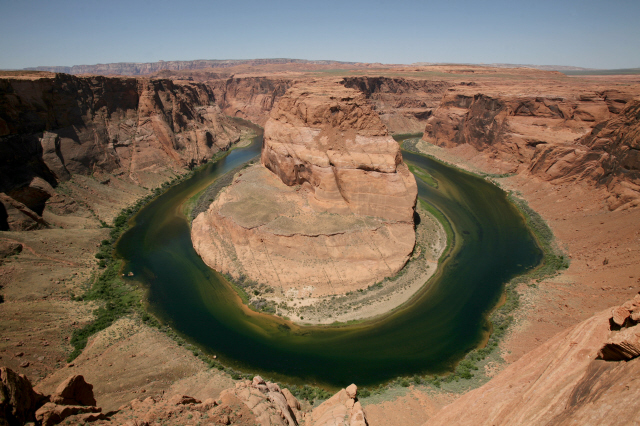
(332, 209)
(328, 137)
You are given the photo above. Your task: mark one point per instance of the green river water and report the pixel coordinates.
(427, 335)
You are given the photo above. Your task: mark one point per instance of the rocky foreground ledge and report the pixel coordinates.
(255, 402)
(588, 374)
(331, 208)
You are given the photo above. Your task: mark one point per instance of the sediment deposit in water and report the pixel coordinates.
(331, 208)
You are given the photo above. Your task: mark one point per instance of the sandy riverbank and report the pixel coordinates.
(378, 299)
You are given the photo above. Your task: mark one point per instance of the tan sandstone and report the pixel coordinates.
(335, 214)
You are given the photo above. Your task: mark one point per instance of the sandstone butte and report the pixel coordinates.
(331, 207)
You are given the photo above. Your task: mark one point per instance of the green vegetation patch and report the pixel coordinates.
(423, 175)
(502, 317)
(115, 297)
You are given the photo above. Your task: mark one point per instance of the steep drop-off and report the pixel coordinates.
(588, 374)
(608, 155)
(591, 136)
(251, 98)
(334, 214)
(55, 126)
(404, 104)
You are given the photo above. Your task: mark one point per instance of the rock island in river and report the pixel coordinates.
(330, 210)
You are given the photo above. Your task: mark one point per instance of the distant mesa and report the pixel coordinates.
(331, 206)
(144, 68)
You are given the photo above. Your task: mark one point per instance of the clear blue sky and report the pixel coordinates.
(587, 33)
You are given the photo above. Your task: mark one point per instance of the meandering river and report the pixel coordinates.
(428, 335)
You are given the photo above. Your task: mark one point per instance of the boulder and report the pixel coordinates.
(52, 414)
(74, 391)
(352, 391)
(183, 400)
(619, 315)
(342, 409)
(622, 346)
(9, 248)
(18, 400)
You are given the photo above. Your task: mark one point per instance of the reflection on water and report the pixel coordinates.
(428, 335)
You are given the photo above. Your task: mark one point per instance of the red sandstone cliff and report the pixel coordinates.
(251, 98)
(53, 126)
(592, 136)
(609, 155)
(403, 104)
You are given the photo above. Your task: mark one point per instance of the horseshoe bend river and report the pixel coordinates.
(429, 334)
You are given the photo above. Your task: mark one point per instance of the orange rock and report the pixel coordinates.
(74, 391)
(560, 382)
(352, 391)
(335, 215)
(330, 137)
(622, 346)
(619, 315)
(341, 409)
(18, 400)
(52, 414)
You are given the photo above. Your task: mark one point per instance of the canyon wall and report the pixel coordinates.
(404, 104)
(55, 126)
(609, 155)
(331, 210)
(591, 135)
(251, 98)
(331, 139)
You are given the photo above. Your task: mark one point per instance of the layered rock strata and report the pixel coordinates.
(333, 212)
(251, 98)
(54, 125)
(404, 104)
(593, 136)
(609, 155)
(571, 379)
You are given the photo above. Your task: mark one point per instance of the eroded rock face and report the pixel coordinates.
(18, 400)
(74, 391)
(334, 214)
(608, 155)
(329, 137)
(593, 136)
(404, 104)
(255, 402)
(53, 126)
(624, 342)
(567, 380)
(251, 98)
(342, 409)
